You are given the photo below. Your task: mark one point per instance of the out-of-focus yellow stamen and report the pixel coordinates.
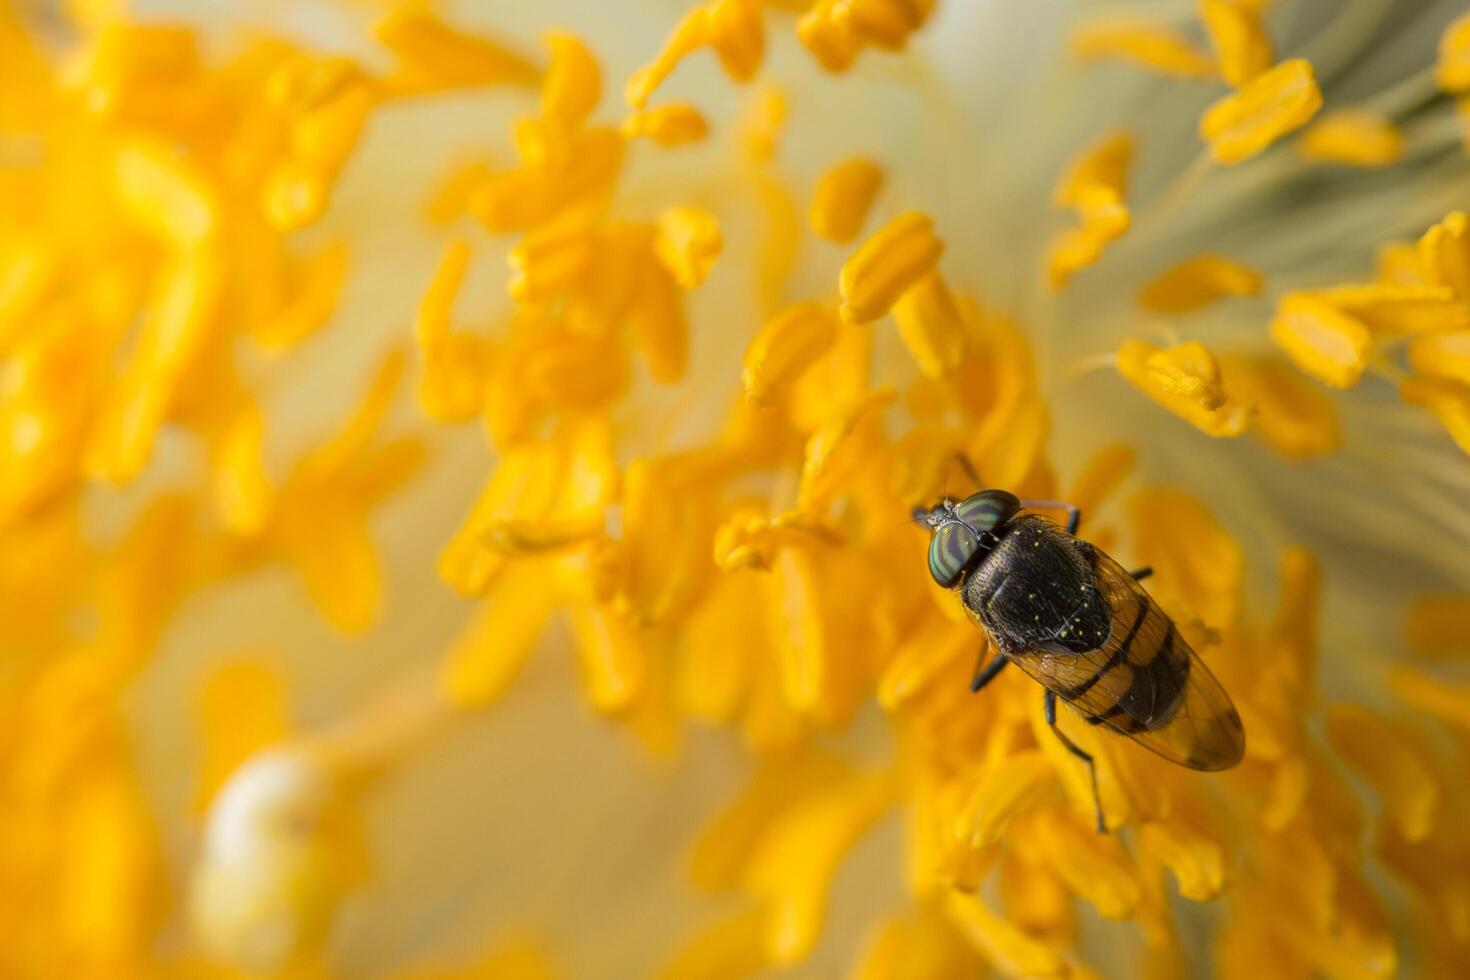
(1446, 355)
(1392, 309)
(1093, 186)
(1438, 625)
(1009, 948)
(1453, 71)
(1197, 862)
(1240, 41)
(893, 260)
(242, 491)
(786, 346)
(667, 125)
(843, 197)
(1323, 341)
(1444, 254)
(491, 648)
(1446, 399)
(242, 710)
(1197, 565)
(1355, 137)
(1196, 283)
(1388, 759)
(825, 457)
(1292, 416)
(573, 83)
(688, 242)
(732, 27)
(1185, 379)
(751, 541)
(433, 56)
(932, 326)
(1265, 109)
(1149, 45)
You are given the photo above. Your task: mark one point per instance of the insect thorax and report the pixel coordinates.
(1035, 590)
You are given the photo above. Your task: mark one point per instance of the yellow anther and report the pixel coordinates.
(1094, 187)
(1196, 283)
(887, 265)
(432, 55)
(1446, 399)
(668, 125)
(165, 195)
(1453, 71)
(931, 325)
(843, 197)
(1292, 415)
(1266, 108)
(828, 35)
(1240, 41)
(687, 243)
(1186, 379)
(732, 27)
(1393, 309)
(1445, 355)
(1148, 45)
(573, 83)
(1355, 137)
(1444, 254)
(885, 24)
(1323, 341)
(785, 347)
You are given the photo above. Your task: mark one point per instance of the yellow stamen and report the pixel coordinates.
(752, 540)
(688, 242)
(829, 450)
(1323, 341)
(1453, 71)
(491, 648)
(1008, 788)
(1266, 108)
(432, 55)
(1445, 355)
(573, 83)
(669, 125)
(786, 346)
(889, 263)
(1447, 400)
(1400, 309)
(1239, 39)
(1196, 283)
(613, 659)
(1197, 565)
(1148, 45)
(1388, 759)
(1292, 416)
(1102, 475)
(1185, 379)
(828, 35)
(732, 27)
(454, 191)
(1093, 186)
(885, 24)
(1198, 863)
(1355, 137)
(931, 325)
(242, 492)
(1008, 948)
(1398, 263)
(242, 710)
(1439, 624)
(843, 197)
(1444, 254)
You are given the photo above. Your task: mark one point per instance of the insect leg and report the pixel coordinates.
(1074, 513)
(986, 673)
(969, 469)
(1051, 722)
(1139, 574)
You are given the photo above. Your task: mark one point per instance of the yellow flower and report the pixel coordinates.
(350, 668)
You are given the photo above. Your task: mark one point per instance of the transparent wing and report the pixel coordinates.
(1144, 681)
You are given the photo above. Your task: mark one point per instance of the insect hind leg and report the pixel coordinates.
(1139, 574)
(1050, 703)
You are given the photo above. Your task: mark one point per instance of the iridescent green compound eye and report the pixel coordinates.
(987, 510)
(950, 550)
(958, 540)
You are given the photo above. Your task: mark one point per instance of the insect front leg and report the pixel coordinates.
(1074, 513)
(985, 672)
(969, 469)
(1051, 722)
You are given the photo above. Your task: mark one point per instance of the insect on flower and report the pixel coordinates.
(1077, 622)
